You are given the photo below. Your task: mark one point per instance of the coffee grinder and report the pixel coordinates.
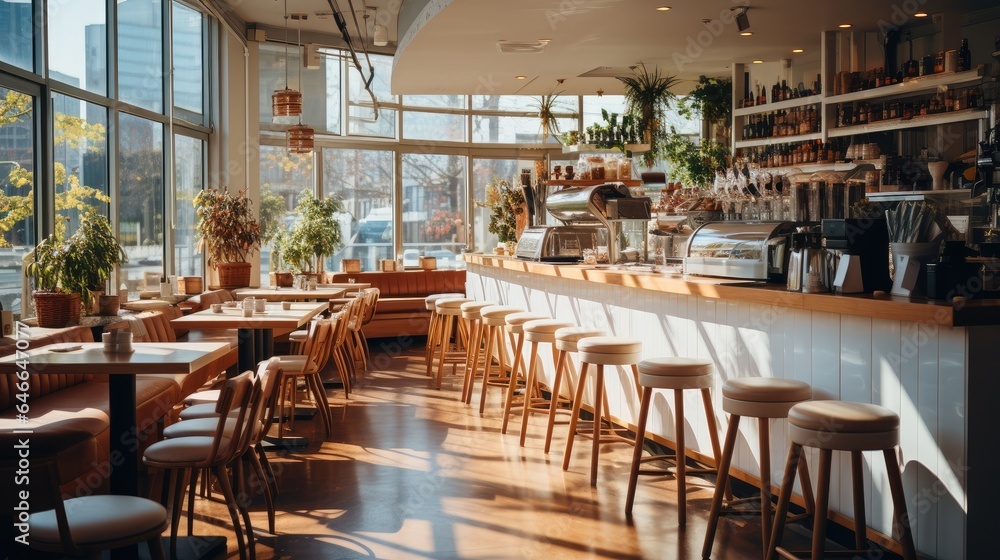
(859, 253)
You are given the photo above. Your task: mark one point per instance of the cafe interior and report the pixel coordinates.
(422, 279)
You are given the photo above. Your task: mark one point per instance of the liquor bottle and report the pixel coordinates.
(761, 95)
(786, 92)
(964, 57)
(817, 85)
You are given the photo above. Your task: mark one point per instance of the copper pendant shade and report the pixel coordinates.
(300, 139)
(286, 103)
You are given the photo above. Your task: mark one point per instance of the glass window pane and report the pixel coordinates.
(434, 206)
(515, 130)
(363, 179)
(321, 93)
(140, 53)
(437, 101)
(283, 177)
(17, 33)
(593, 104)
(484, 171)
(189, 180)
(17, 226)
(188, 58)
(362, 119)
(140, 197)
(434, 126)
(72, 24)
(80, 145)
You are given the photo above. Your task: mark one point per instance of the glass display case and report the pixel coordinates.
(749, 250)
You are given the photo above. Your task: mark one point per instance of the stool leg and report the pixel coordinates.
(448, 322)
(807, 489)
(721, 482)
(900, 519)
(554, 405)
(575, 417)
(598, 403)
(640, 438)
(858, 480)
(494, 342)
(432, 335)
(512, 385)
(681, 455)
(529, 390)
(713, 431)
(764, 433)
(822, 503)
(787, 481)
(472, 359)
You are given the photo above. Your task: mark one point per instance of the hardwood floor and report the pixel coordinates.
(412, 473)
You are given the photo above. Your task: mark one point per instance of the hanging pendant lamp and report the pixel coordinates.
(286, 102)
(300, 139)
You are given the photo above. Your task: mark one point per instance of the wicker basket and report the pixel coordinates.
(55, 310)
(234, 275)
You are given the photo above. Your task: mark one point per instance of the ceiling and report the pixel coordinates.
(450, 46)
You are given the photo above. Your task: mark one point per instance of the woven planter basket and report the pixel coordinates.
(55, 310)
(234, 275)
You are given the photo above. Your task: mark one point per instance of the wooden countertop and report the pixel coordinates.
(959, 314)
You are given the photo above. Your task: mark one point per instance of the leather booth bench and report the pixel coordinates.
(400, 310)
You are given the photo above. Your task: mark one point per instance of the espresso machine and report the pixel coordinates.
(858, 254)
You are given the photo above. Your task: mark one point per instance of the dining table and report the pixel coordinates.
(324, 293)
(121, 369)
(255, 333)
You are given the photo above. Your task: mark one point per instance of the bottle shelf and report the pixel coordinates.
(593, 149)
(789, 104)
(778, 140)
(590, 183)
(900, 124)
(818, 167)
(910, 87)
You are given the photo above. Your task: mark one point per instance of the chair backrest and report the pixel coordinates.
(319, 351)
(269, 375)
(233, 407)
(371, 302)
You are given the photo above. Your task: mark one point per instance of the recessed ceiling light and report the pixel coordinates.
(920, 14)
(746, 33)
(844, 26)
(797, 50)
(758, 62)
(663, 8)
(521, 77)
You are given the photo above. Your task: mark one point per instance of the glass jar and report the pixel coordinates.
(625, 169)
(596, 164)
(611, 168)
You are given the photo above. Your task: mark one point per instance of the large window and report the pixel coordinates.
(189, 180)
(283, 177)
(140, 53)
(17, 187)
(188, 60)
(521, 125)
(140, 197)
(484, 171)
(82, 23)
(320, 106)
(80, 146)
(361, 115)
(435, 188)
(17, 37)
(363, 180)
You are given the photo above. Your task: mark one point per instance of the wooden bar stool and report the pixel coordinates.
(477, 334)
(600, 351)
(450, 331)
(432, 327)
(679, 375)
(494, 321)
(842, 426)
(762, 398)
(566, 339)
(536, 332)
(515, 327)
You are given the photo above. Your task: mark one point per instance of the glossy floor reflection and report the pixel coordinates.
(412, 473)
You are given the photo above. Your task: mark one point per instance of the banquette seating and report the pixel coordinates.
(401, 309)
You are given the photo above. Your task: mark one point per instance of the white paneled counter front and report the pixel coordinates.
(902, 354)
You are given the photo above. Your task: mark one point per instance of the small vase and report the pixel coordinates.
(510, 248)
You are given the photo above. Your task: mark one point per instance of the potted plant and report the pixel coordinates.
(315, 235)
(55, 306)
(280, 276)
(712, 99)
(647, 97)
(229, 233)
(506, 204)
(91, 254)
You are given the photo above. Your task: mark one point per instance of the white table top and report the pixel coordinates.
(291, 294)
(90, 358)
(274, 317)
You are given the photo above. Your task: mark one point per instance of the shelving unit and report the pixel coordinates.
(593, 149)
(563, 183)
(818, 167)
(919, 121)
(789, 104)
(779, 140)
(910, 87)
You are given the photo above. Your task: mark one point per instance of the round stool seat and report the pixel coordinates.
(430, 300)
(763, 397)
(450, 306)
(543, 330)
(841, 425)
(94, 520)
(609, 350)
(515, 321)
(567, 338)
(495, 315)
(676, 373)
(471, 309)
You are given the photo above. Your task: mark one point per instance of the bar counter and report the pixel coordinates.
(933, 363)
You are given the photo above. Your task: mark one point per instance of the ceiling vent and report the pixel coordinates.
(323, 14)
(607, 72)
(521, 47)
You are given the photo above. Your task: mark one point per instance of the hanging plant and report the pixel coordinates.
(647, 97)
(712, 100)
